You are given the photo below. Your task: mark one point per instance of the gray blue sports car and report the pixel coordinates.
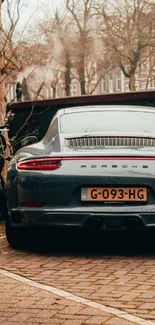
(94, 168)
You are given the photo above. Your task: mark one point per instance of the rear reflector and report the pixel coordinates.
(39, 164)
(31, 204)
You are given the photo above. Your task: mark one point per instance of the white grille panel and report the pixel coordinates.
(101, 142)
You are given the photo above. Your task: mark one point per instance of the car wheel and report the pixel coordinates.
(15, 236)
(3, 211)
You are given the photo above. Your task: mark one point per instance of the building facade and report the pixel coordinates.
(112, 82)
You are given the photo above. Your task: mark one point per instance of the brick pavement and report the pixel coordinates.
(1, 228)
(23, 304)
(123, 282)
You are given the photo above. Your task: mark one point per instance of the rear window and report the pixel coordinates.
(95, 121)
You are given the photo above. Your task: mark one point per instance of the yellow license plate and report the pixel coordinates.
(115, 194)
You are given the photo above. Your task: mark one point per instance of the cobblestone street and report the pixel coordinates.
(76, 287)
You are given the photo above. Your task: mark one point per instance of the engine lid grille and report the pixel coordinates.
(103, 142)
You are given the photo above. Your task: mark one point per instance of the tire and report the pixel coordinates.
(3, 200)
(15, 236)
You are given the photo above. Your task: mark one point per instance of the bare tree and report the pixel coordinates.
(63, 26)
(99, 62)
(56, 76)
(56, 33)
(13, 41)
(128, 30)
(73, 46)
(146, 69)
(53, 60)
(2, 91)
(10, 42)
(82, 14)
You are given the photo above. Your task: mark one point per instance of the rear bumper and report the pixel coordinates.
(78, 217)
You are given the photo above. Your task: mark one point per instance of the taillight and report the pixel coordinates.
(39, 164)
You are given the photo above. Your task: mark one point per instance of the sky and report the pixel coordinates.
(50, 5)
(37, 8)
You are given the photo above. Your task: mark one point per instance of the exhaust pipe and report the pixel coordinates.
(95, 223)
(134, 224)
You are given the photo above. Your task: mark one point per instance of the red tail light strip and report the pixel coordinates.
(39, 164)
(31, 204)
(109, 158)
(54, 163)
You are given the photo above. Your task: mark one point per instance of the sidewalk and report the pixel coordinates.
(31, 294)
(21, 303)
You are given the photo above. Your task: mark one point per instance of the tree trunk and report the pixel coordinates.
(67, 75)
(2, 92)
(82, 82)
(132, 80)
(82, 76)
(54, 92)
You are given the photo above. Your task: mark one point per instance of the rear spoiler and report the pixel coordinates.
(144, 98)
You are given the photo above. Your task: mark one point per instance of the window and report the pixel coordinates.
(127, 87)
(73, 89)
(153, 83)
(110, 84)
(149, 85)
(128, 121)
(118, 82)
(103, 85)
(136, 85)
(73, 93)
(144, 85)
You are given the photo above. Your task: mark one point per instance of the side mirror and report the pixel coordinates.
(29, 140)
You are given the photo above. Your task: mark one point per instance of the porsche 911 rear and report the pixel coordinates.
(94, 168)
(107, 192)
